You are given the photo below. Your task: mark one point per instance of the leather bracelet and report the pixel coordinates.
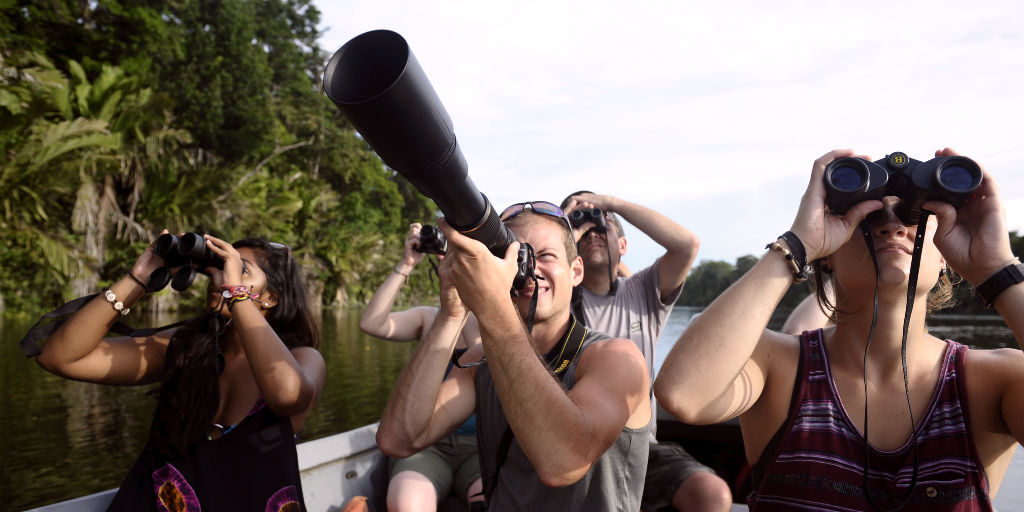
(796, 246)
(144, 286)
(799, 273)
(999, 282)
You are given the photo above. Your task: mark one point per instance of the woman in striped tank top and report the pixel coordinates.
(806, 403)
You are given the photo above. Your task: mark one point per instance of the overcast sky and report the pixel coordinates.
(709, 112)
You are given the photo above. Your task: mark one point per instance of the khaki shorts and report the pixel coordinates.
(668, 466)
(451, 464)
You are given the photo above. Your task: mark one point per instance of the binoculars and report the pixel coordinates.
(432, 240)
(951, 179)
(189, 251)
(582, 216)
(377, 83)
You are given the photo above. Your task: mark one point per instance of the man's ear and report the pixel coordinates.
(576, 271)
(622, 246)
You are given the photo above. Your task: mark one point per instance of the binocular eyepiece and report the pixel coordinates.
(580, 217)
(432, 241)
(189, 252)
(951, 179)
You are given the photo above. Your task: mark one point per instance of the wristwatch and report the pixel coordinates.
(999, 282)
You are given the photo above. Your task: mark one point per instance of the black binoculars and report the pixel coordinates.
(951, 179)
(189, 251)
(582, 216)
(432, 240)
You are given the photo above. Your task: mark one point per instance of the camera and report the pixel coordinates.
(377, 83)
(951, 179)
(432, 240)
(582, 216)
(189, 251)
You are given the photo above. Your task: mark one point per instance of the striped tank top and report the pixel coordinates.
(815, 461)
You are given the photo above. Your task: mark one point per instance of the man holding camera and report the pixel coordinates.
(563, 413)
(637, 307)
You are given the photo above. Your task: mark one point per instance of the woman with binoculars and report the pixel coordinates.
(236, 383)
(871, 413)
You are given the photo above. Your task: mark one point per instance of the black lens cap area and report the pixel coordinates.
(897, 160)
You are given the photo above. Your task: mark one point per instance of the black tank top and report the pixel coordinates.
(252, 467)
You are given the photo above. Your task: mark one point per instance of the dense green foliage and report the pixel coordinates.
(121, 118)
(710, 278)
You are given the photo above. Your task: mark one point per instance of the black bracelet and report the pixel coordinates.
(999, 282)
(796, 247)
(145, 287)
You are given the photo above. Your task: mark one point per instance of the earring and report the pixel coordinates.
(266, 304)
(943, 272)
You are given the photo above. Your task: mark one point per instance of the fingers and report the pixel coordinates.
(860, 210)
(945, 214)
(459, 241)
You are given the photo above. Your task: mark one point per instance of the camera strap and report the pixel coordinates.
(915, 266)
(41, 331)
(558, 360)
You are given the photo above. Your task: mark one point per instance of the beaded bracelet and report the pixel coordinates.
(118, 305)
(799, 273)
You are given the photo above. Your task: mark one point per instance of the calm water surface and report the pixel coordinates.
(60, 439)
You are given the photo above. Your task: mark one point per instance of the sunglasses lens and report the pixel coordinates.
(548, 208)
(512, 211)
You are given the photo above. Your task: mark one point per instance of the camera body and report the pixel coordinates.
(432, 240)
(951, 179)
(189, 251)
(584, 215)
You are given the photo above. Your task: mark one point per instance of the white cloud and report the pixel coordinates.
(710, 113)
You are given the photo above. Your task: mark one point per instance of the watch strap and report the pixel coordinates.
(999, 282)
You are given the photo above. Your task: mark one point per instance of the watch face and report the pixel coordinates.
(226, 294)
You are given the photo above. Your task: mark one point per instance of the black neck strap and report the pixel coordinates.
(915, 267)
(41, 331)
(567, 348)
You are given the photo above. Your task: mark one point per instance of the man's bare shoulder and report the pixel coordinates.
(620, 353)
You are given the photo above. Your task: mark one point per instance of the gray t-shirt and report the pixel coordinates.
(637, 311)
(614, 483)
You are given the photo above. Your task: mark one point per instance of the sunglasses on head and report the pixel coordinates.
(279, 246)
(542, 207)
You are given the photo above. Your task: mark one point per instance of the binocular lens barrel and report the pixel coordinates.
(165, 245)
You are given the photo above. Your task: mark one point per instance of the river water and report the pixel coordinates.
(61, 439)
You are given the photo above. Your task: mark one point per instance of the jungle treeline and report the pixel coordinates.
(121, 118)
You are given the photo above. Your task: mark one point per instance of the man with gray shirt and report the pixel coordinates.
(563, 413)
(637, 307)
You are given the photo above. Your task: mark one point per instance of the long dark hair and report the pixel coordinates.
(190, 390)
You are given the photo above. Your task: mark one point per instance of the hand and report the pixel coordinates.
(148, 261)
(823, 233)
(973, 239)
(451, 302)
(587, 201)
(482, 279)
(411, 256)
(232, 272)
